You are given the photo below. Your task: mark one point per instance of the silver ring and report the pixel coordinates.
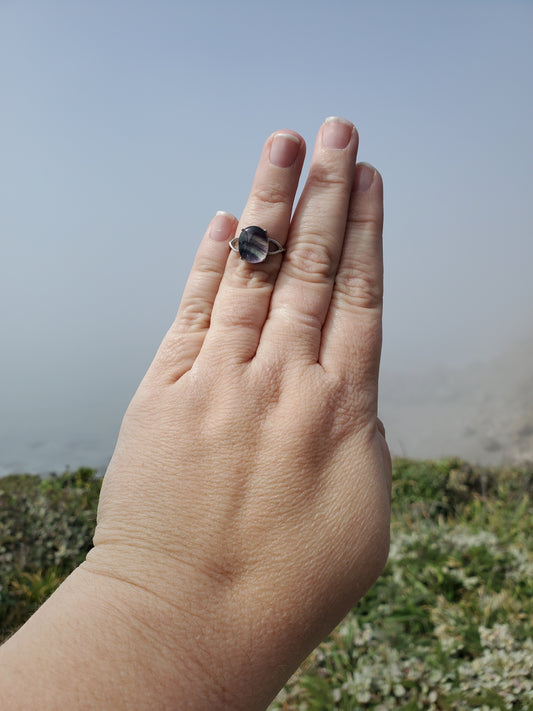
(254, 245)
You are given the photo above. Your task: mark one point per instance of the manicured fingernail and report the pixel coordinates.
(284, 149)
(364, 177)
(336, 132)
(222, 226)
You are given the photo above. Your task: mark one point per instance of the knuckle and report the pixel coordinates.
(271, 194)
(195, 315)
(352, 402)
(207, 268)
(306, 321)
(171, 355)
(312, 259)
(324, 177)
(340, 405)
(369, 222)
(246, 276)
(357, 289)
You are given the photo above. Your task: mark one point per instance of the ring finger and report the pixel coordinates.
(243, 298)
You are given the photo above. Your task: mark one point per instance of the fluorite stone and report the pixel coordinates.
(253, 245)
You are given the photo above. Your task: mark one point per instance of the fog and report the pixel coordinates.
(126, 126)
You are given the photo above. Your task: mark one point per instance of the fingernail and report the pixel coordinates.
(284, 149)
(364, 177)
(222, 226)
(336, 132)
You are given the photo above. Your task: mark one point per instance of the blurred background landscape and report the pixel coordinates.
(125, 126)
(482, 412)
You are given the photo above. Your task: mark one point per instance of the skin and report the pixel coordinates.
(246, 507)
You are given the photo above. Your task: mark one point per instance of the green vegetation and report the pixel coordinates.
(448, 626)
(46, 529)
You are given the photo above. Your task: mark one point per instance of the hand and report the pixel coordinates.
(250, 486)
(246, 507)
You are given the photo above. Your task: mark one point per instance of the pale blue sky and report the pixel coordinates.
(126, 125)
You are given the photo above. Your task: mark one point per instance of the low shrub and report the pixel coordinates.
(46, 529)
(448, 626)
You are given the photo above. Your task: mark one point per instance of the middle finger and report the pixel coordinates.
(302, 296)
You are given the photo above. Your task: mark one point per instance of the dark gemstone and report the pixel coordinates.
(253, 245)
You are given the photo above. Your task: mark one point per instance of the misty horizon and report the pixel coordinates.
(124, 132)
(481, 412)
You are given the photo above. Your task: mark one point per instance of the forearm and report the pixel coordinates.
(88, 648)
(103, 644)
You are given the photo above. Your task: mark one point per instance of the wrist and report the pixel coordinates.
(113, 641)
(208, 646)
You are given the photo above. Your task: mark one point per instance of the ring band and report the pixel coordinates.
(254, 245)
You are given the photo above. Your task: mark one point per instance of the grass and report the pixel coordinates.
(46, 529)
(449, 625)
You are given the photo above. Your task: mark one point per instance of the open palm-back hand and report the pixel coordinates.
(246, 507)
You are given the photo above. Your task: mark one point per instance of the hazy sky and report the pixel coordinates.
(125, 125)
